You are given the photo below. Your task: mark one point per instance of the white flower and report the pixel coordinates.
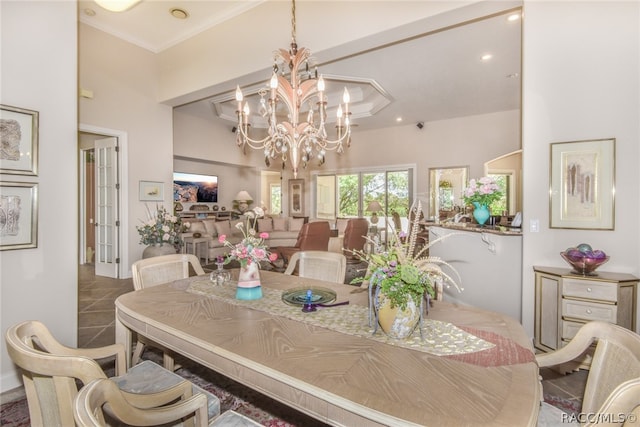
(258, 211)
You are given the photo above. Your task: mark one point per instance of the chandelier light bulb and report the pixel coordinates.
(291, 130)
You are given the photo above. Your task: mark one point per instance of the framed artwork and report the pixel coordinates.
(151, 191)
(296, 197)
(19, 138)
(582, 184)
(18, 215)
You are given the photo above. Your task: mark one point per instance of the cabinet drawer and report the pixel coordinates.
(589, 311)
(570, 329)
(590, 289)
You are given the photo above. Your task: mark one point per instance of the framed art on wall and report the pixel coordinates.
(19, 138)
(582, 184)
(18, 215)
(296, 197)
(151, 191)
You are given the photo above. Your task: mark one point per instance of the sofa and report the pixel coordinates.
(282, 232)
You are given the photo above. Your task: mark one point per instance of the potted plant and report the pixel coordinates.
(249, 252)
(400, 278)
(160, 232)
(481, 194)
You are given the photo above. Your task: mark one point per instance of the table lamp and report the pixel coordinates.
(374, 207)
(243, 199)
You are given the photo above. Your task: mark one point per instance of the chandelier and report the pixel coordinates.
(302, 135)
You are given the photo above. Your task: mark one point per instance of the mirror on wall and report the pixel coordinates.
(507, 169)
(445, 191)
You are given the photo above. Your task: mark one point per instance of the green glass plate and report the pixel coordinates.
(298, 296)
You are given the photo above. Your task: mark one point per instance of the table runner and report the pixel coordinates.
(439, 338)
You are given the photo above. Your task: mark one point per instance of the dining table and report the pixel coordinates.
(463, 366)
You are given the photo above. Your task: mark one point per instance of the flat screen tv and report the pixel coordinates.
(191, 187)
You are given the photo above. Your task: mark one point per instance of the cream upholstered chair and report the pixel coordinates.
(155, 271)
(90, 401)
(50, 370)
(613, 384)
(321, 265)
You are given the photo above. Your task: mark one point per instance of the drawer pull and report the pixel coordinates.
(588, 311)
(588, 289)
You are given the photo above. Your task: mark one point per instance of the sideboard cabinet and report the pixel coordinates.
(565, 301)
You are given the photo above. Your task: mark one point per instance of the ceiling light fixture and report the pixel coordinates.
(486, 57)
(178, 13)
(117, 5)
(294, 138)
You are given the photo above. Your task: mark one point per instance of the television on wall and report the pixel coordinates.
(191, 187)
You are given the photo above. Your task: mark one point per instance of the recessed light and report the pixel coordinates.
(179, 13)
(513, 17)
(486, 57)
(89, 12)
(398, 119)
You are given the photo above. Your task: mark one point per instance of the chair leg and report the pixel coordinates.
(168, 362)
(137, 353)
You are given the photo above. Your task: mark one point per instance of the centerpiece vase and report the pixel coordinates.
(249, 287)
(158, 249)
(394, 321)
(480, 213)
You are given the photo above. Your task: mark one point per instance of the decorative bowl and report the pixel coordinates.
(584, 265)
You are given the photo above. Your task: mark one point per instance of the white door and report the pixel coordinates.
(106, 196)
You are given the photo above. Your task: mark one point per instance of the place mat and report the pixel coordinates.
(438, 338)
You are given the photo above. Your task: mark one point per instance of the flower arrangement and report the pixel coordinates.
(484, 191)
(401, 272)
(252, 248)
(160, 227)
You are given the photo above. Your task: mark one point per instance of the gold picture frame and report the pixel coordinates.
(582, 184)
(19, 140)
(296, 197)
(19, 215)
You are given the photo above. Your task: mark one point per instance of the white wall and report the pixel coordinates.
(580, 81)
(39, 72)
(124, 82)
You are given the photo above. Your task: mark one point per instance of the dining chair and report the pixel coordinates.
(89, 410)
(613, 383)
(321, 265)
(50, 372)
(154, 271)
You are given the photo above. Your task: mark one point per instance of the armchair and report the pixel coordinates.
(313, 236)
(355, 237)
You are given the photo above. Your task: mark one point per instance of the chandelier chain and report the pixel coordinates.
(293, 21)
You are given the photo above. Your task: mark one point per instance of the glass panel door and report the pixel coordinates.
(106, 197)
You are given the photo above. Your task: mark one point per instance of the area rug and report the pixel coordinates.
(232, 395)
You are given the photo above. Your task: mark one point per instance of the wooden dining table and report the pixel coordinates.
(336, 375)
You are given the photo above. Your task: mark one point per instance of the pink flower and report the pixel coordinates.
(273, 256)
(222, 238)
(264, 235)
(259, 253)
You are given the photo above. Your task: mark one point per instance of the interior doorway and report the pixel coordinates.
(102, 239)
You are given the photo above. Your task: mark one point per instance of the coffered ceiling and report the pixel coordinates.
(435, 76)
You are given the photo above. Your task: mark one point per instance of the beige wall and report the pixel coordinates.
(124, 82)
(39, 72)
(581, 81)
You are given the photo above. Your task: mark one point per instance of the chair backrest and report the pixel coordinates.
(88, 408)
(314, 236)
(49, 371)
(616, 360)
(355, 236)
(321, 265)
(163, 269)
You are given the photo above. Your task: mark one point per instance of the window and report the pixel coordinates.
(349, 195)
(275, 192)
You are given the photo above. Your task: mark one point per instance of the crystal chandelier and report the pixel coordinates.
(294, 138)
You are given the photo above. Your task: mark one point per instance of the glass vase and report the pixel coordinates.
(220, 276)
